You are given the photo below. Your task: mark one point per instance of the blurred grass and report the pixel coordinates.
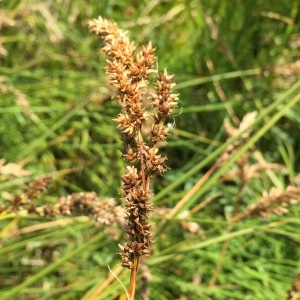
(229, 58)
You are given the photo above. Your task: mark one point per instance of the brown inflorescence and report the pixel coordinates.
(105, 212)
(293, 293)
(33, 190)
(128, 74)
(274, 201)
(37, 187)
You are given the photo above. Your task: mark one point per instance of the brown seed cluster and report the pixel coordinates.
(104, 212)
(33, 190)
(128, 73)
(273, 202)
(295, 290)
(37, 187)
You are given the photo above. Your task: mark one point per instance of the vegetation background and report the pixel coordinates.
(230, 58)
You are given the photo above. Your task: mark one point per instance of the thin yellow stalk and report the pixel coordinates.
(133, 278)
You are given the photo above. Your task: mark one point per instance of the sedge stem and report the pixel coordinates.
(133, 278)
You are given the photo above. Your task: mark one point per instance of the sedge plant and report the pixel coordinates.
(142, 126)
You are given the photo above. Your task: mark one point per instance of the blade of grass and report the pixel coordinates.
(217, 77)
(35, 144)
(31, 280)
(239, 153)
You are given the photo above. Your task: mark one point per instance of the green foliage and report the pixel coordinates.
(230, 58)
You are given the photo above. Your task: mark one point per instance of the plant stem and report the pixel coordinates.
(133, 278)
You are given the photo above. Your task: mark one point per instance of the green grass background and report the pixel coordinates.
(57, 64)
